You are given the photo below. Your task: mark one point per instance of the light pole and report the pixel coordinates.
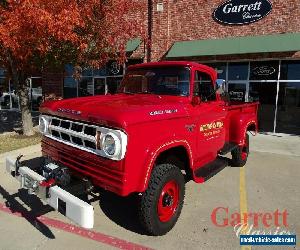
(150, 25)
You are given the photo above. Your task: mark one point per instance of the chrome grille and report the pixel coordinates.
(79, 134)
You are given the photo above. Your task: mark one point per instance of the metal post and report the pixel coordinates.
(10, 98)
(150, 24)
(277, 97)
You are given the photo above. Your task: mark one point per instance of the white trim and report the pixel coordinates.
(163, 146)
(277, 97)
(120, 135)
(77, 210)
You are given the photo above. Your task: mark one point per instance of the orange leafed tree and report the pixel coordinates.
(37, 34)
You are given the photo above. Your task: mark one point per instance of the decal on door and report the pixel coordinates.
(212, 128)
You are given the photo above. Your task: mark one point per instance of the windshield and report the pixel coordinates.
(157, 80)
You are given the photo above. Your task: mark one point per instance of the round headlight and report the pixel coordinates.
(109, 145)
(43, 124)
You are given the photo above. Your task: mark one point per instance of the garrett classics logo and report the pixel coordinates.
(240, 12)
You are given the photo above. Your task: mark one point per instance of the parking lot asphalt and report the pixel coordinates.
(269, 182)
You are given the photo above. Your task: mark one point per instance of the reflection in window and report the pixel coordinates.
(85, 86)
(237, 92)
(204, 87)
(157, 80)
(238, 71)
(290, 70)
(99, 85)
(288, 114)
(70, 87)
(113, 84)
(220, 68)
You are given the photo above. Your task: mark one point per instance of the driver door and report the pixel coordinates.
(210, 117)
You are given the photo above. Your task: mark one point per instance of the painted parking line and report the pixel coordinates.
(243, 201)
(92, 235)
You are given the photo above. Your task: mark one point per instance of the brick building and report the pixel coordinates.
(253, 44)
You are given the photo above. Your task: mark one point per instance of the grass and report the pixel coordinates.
(14, 141)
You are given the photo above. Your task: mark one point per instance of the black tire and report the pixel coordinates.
(240, 154)
(148, 213)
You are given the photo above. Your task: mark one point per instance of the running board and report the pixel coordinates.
(211, 169)
(228, 147)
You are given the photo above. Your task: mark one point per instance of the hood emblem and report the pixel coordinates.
(69, 111)
(190, 128)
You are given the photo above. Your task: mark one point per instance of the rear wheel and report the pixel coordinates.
(162, 202)
(240, 154)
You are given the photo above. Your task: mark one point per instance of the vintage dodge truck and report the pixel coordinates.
(168, 123)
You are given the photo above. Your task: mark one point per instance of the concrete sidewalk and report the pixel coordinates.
(272, 182)
(275, 144)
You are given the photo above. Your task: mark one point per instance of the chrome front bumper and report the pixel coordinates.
(69, 205)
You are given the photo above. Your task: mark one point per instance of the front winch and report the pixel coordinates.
(48, 189)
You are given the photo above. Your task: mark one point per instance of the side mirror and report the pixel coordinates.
(220, 86)
(196, 100)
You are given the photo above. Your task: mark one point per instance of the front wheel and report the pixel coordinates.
(240, 154)
(162, 202)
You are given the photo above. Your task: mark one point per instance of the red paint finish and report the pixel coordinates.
(88, 234)
(200, 130)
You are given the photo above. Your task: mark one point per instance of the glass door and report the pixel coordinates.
(100, 87)
(265, 93)
(288, 111)
(113, 82)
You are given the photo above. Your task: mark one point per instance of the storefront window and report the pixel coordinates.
(69, 70)
(36, 93)
(265, 70)
(237, 91)
(87, 71)
(70, 87)
(99, 86)
(288, 113)
(85, 86)
(220, 68)
(2, 72)
(290, 70)
(99, 72)
(4, 93)
(266, 93)
(112, 84)
(238, 71)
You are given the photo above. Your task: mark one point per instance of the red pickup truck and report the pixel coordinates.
(168, 123)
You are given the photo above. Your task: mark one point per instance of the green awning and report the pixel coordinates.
(133, 44)
(236, 45)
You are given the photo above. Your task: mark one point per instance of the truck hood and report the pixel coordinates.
(118, 110)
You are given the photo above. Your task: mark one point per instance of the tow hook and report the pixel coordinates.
(18, 165)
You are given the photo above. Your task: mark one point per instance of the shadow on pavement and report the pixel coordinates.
(37, 208)
(121, 210)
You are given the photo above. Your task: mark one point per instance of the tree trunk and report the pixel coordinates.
(23, 93)
(19, 81)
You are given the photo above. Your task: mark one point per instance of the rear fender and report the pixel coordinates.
(239, 127)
